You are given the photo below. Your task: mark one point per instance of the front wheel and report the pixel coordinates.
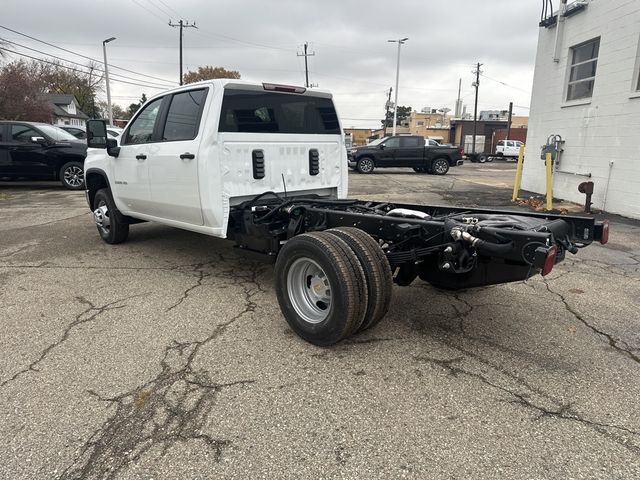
(365, 165)
(110, 227)
(440, 166)
(72, 176)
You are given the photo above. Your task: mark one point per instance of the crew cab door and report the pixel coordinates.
(410, 153)
(130, 167)
(173, 160)
(25, 156)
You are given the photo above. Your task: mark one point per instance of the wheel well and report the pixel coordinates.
(94, 181)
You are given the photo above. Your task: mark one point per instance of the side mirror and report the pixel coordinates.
(39, 140)
(381, 146)
(96, 134)
(113, 150)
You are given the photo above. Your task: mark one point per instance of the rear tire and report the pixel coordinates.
(482, 158)
(72, 176)
(440, 166)
(365, 165)
(377, 272)
(110, 226)
(321, 288)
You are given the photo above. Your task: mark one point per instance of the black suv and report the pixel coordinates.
(41, 152)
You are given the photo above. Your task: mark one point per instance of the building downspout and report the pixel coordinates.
(559, 31)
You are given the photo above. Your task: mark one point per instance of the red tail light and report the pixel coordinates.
(283, 88)
(604, 236)
(550, 260)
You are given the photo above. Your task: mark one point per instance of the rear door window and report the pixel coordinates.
(183, 117)
(411, 142)
(271, 112)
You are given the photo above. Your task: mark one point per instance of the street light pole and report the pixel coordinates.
(395, 109)
(106, 77)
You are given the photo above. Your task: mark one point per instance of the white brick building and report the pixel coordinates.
(590, 95)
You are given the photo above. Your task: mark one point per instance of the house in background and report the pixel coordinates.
(66, 110)
(586, 89)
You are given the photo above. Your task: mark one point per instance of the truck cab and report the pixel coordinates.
(192, 153)
(508, 148)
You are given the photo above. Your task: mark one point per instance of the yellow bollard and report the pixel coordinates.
(516, 184)
(549, 183)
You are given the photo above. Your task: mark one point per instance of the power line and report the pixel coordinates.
(76, 69)
(505, 84)
(84, 56)
(148, 10)
(170, 8)
(84, 66)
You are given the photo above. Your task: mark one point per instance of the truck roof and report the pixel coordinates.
(244, 84)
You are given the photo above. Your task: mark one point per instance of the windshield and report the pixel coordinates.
(56, 133)
(377, 142)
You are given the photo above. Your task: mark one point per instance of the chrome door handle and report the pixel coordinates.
(187, 155)
(142, 156)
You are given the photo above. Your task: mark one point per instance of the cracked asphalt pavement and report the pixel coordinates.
(167, 357)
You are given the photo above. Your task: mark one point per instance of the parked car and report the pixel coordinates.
(508, 148)
(40, 151)
(405, 151)
(81, 133)
(77, 132)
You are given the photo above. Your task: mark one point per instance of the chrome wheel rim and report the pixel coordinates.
(309, 290)
(440, 166)
(74, 176)
(102, 218)
(366, 165)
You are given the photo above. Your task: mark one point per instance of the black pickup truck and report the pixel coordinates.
(405, 151)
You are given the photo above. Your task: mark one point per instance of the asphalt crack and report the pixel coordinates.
(613, 343)
(174, 407)
(560, 410)
(88, 315)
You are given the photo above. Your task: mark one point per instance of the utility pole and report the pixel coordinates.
(306, 65)
(182, 24)
(509, 121)
(400, 42)
(476, 84)
(106, 77)
(386, 114)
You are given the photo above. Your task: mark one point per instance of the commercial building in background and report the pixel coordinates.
(586, 89)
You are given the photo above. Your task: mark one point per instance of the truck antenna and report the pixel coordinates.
(284, 184)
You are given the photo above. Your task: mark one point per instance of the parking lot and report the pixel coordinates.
(167, 357)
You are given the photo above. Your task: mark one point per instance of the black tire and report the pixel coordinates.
(482, 158)
(365, 165)
(334, 265)
(72, 176)
(489, 159)
(111, 227)
(440, 166)
(377, 272)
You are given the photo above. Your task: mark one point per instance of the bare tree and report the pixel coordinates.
(21, 89)
(208, 72)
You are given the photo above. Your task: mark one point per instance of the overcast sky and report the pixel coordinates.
(260, 39)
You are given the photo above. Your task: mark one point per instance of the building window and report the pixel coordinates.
(582, 69)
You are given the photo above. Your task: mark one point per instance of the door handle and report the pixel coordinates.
(187, 155)
(141, 156)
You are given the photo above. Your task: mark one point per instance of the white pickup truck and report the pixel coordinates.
(508, 148)
(265, 166)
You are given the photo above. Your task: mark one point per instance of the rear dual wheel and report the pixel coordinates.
(332, 284)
